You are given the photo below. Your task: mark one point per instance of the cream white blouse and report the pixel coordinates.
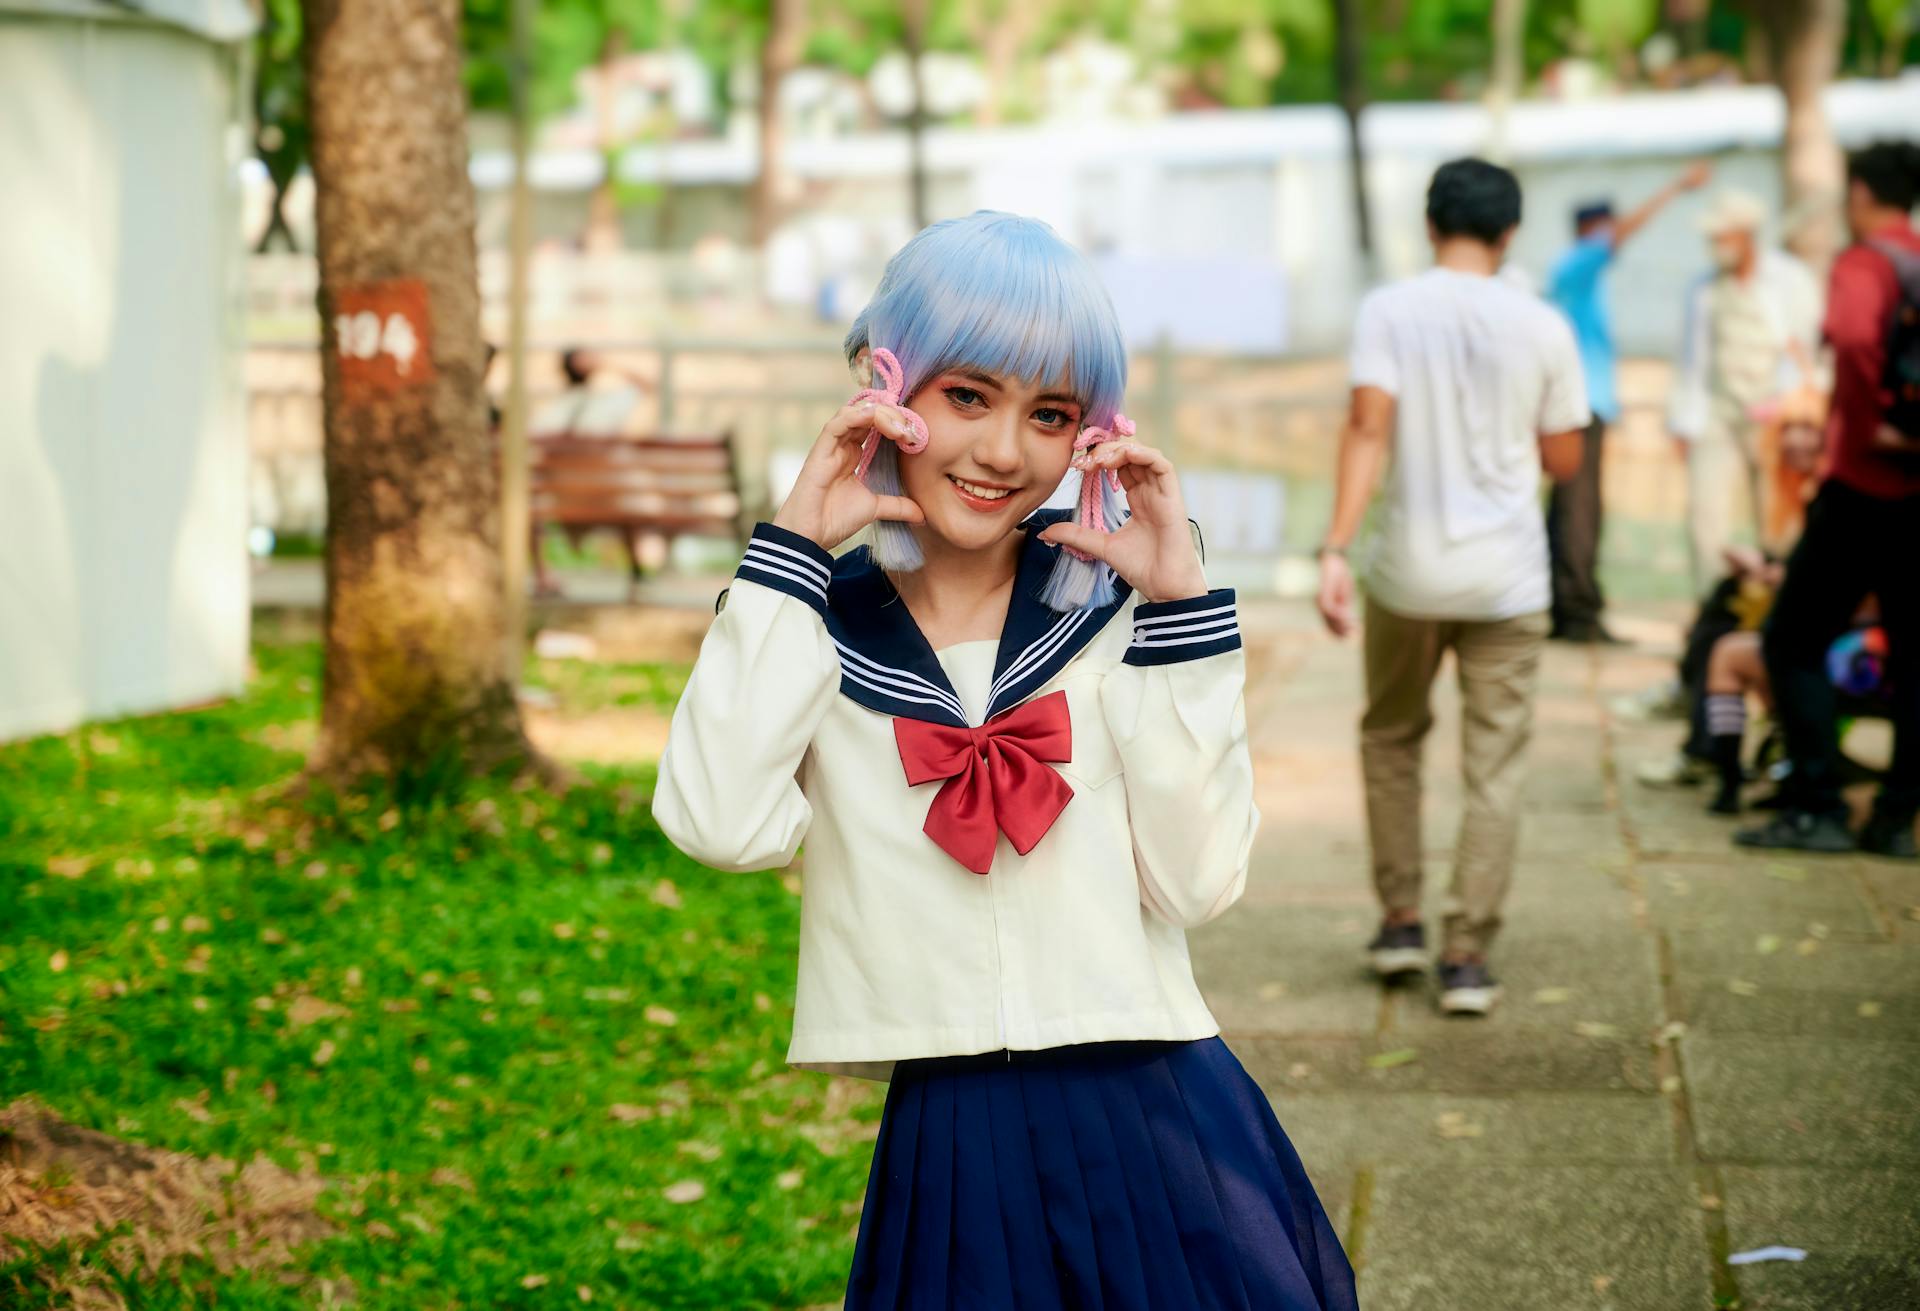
(786, 732)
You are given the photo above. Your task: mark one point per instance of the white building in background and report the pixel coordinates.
(123, 455)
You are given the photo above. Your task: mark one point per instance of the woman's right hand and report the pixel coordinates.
(828, 504)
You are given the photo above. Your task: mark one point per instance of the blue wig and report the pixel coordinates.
(1005, 295)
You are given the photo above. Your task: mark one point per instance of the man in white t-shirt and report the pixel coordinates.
(1472, 386)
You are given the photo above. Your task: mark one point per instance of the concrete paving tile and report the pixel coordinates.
(1485, 1060)
(1446, 1130)
(1555, 976)
(1894, 888)
(1273, 970)
(1754, 895)
(1513, 1238)
(1860, 1229)
(1802, 1101)
(1808, 987)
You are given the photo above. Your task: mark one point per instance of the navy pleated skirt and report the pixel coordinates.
(1119, 1176)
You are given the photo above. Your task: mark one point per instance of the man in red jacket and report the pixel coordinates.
(1862, 537)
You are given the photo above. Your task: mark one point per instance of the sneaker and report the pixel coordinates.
(1666, 700)
(1800, 830)
(1466, 988)
(1398, 949)
(1679, 770)
(1890, 838)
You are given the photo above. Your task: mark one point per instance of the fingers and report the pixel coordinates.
(854, 421)
(898, 509)
(1079, 537)
(1134, 455)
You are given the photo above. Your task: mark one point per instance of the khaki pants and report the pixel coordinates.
(1722, 467)
(1499, 663)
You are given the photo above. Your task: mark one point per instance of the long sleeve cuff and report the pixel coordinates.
(788, 562)
(1166, 632)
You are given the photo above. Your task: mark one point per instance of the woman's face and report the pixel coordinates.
(996, 450)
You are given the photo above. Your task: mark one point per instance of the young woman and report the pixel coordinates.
(1015, 744)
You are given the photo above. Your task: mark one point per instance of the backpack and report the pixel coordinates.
(1900, 376)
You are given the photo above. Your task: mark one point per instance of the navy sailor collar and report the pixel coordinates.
(886, 663)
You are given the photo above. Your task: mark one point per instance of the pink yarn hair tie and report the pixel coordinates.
(1091, 514)
(886, 367)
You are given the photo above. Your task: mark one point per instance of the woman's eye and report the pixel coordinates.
(1053, 418)
(963, 395)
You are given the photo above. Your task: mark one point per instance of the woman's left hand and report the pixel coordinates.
(1153, 550)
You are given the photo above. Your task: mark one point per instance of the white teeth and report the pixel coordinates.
(984, 493)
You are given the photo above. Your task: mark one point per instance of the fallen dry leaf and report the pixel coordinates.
(788, 1180)
(1596, 1029)
(1869, 1010)
(1553, 996)
(665, 894)
(1455, 1124)
(660, 1015)
(627, 1112)
(1766, 944)
(58, 961)
(1743, 987)
(1399, 1056)
(687, 1190)
(533, 1281)
(304, 1010)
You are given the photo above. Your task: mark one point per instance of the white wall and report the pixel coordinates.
(123, 571)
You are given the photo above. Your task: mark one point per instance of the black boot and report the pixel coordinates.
(1726, 756)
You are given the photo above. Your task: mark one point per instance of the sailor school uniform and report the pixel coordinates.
(997, 883)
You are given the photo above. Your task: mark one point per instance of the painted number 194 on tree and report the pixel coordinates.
(383, 336)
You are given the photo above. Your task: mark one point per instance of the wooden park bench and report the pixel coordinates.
(636, 486)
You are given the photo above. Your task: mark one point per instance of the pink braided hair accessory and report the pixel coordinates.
(886, 367)
(1090, 514)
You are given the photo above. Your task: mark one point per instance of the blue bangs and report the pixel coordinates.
(1003, 294)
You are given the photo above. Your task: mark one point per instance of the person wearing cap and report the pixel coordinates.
(1751, 329)
(1578, 286)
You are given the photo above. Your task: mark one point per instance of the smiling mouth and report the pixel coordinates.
(979, 495)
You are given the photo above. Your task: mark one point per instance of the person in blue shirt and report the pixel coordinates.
(1578, 286)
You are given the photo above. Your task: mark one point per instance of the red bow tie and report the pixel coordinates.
(996, 782)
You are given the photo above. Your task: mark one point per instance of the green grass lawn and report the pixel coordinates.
(511, 1030)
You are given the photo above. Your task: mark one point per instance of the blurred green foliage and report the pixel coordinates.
(1240, 53)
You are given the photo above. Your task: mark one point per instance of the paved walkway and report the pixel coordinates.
(1700, 1053)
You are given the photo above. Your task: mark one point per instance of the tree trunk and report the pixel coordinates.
(603, 235)
(414, 688)
(1346, 70)
(779, 53)
(1001, 30)
(1503, 88)
(1803, 42)
(913, 21)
